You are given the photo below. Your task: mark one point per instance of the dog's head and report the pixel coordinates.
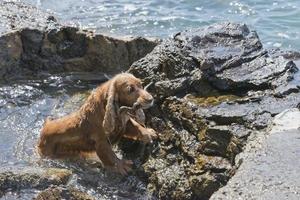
(124, 90)
(130, 90)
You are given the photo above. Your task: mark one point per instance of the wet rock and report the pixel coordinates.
(229, 56)
(28, 179)
(169, 68)
(10, 53)
(219, 140)
(57, 193)
(232, 88)
(70, 49)
(40, 43)
(205, 185)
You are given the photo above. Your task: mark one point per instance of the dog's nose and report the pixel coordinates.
(149, 99)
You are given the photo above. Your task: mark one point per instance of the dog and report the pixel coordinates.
(101, 122)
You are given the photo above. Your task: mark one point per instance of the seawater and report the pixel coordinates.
(276, 21)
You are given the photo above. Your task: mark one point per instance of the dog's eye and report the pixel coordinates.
(131, 88)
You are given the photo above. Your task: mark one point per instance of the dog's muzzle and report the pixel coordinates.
(147, 102)
(148, 105)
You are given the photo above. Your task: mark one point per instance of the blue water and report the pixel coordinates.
(277, 22)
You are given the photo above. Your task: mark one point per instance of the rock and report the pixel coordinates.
(232, 88)
(10, 53)
(205, 185)
(169, 68)
(229, 56)
(70, 49)
(216, 90)
(49, 46)
(29, 179)
(57, 193)
(270, 170)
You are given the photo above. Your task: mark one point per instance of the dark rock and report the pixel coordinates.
(70, 49)
(227, 55)
(237, 87)
(31, 40)
(205, 185)
(219, 140)
(10, 53)
(256, 74)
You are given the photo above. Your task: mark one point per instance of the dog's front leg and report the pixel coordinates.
(109, 158)
(136, 131)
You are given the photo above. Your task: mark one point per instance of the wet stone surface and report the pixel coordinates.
(215, 87)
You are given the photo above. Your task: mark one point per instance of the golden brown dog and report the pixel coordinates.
(99, 123)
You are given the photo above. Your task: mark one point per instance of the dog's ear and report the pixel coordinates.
(109, 121)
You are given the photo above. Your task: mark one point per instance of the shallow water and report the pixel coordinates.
(276, 21)
(25, 104)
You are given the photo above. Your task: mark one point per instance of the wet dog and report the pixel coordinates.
(101, 121)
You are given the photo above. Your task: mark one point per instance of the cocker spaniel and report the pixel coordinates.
(112, 111)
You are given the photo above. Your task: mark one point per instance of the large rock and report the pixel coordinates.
(70, 49)
(229, 56)
(232, 88)
(33, 41)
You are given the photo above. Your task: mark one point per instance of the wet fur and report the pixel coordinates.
(98, 123)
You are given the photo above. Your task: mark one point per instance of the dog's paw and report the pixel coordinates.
(123, 166)
(148, 135)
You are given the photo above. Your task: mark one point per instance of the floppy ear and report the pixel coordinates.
(109, 121)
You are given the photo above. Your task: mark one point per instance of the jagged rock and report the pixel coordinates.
(229, 56)
(237, 87)
(49, 46)
(70, 49)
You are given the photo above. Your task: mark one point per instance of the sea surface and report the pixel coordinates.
(277, 22)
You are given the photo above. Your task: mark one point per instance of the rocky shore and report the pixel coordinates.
(34, 41)
(216, 91)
